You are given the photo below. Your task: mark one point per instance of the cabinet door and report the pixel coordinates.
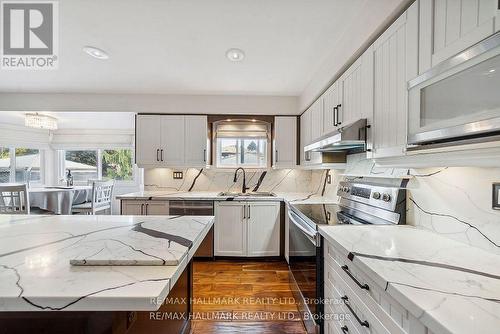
(396, 61)
(285, 141)
(156, 208)
(309, 158)
(317, 119)
(132, 207)
(305, 134)
(196, 140)
(148, 140)
(263, 237)
(330, 104)
(172, 140)
(230, 229)
(449, 27)
(351, 83)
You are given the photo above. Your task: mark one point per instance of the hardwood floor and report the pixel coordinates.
(243, 297)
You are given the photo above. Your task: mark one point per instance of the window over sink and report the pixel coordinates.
(242, 144)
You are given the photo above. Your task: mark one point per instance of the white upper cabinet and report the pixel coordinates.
(196, 134)
(395, 56)
(285, 142)
(331, 103)
(317, 119)
(305, 134)
(171, 140)
(306, 137)
(356, 91)
(448, 27)
(148, 140)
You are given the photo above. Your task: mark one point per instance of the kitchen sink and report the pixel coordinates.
(250, 194)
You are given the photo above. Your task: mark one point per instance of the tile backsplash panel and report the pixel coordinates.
(281, 180)
(453, 201)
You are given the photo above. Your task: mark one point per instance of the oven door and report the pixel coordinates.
(306, 267)
(458, 98)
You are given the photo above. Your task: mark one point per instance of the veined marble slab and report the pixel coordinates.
(449, 286)
(36, 274)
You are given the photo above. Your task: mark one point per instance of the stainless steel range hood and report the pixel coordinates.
(350, 138)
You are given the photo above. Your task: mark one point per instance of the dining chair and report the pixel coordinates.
(102, 197)
(14, 199)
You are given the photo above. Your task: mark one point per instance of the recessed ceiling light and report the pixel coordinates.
(95, 52)
(235, 54)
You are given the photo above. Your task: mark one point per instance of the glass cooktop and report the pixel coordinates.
(320, 214)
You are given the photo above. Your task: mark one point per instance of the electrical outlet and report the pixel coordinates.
(178, 175)
(329, 179)
(496, 196)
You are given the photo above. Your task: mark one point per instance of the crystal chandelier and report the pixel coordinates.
(40, 121)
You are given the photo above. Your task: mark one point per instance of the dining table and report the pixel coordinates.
(59, 199)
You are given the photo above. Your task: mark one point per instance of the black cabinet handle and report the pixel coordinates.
(142, 209)
(205, 155)
(157, 152)
(335, 116)
(161, 155)
(338, 118)
(345, 268)
(346, 303)
(344, 329)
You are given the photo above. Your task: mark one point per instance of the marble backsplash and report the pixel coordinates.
(452, 201)
(280, 180)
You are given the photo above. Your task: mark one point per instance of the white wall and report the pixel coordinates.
(152, 103)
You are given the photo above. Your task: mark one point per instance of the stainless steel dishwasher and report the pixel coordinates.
(196, 208)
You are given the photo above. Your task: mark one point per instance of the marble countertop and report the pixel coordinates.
(35, 254)
(449, 286)
(302, 198)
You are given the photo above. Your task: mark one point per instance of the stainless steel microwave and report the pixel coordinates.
(459, 99)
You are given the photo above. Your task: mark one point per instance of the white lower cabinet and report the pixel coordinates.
(247, 229)
(144, 208)
(356, 304)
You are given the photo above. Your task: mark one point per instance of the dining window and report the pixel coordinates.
(20, 165)
(85, 165)
(242, 144)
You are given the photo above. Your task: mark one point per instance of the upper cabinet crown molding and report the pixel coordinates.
(171, 140)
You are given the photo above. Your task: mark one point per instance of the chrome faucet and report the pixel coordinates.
(244, 187)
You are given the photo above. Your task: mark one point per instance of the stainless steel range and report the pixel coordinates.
(360, 203)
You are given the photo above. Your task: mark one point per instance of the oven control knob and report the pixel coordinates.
(376, 195)
(386, 197)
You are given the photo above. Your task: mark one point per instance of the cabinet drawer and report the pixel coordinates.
(395, 317)
(337, 319)
(354, 305)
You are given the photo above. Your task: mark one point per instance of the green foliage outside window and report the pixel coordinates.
(117, 164)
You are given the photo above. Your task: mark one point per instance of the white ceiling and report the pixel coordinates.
(78, 120)
(178, 46)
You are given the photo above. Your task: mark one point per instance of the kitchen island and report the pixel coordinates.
(96, 274)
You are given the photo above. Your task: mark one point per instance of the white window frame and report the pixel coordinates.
(218, 149)
(61, 154)
(12, 169)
